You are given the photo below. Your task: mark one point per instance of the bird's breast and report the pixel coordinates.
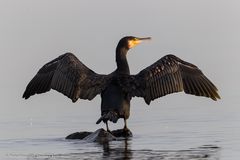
(113, 98)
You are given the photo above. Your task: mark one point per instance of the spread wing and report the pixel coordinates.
(67, 75)
(168, 75)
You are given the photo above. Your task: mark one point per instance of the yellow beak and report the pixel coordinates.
(132, 43)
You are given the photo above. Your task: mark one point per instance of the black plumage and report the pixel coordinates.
(169, 74)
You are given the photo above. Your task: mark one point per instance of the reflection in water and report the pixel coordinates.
(123, 151)
(120, 149)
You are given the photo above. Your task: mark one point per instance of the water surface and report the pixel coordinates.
(184, 132)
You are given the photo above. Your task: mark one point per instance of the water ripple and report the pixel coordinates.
(114, 150)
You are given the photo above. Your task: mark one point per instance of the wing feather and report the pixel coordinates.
(67, 75)
(168, 75)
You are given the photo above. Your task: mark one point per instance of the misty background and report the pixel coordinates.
(204, 32)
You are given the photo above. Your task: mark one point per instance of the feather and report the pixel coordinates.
(67, 75)
(171, 74)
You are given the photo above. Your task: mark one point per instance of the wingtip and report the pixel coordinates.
(99, 120)
(24, 96)
(74, 100)
(216, 97)
(147, 101)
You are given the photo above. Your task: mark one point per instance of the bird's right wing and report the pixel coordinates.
(168, 75)
(67, 75)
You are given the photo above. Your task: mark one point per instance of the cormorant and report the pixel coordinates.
(169, 74)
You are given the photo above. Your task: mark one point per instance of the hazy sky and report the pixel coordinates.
(204, 32)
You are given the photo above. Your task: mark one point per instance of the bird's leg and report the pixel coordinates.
(107, 126)
(126, 132)
(125, 125)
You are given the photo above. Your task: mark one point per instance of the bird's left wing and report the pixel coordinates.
(67, 75)
(168, 75)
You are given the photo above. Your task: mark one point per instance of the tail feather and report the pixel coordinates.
(111, 116)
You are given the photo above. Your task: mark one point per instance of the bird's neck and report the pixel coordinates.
(121, 59)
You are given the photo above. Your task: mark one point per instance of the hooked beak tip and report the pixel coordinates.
(145, 38)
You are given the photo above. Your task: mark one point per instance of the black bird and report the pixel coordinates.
(169, 74)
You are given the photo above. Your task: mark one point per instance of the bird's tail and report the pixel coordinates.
(110, 115)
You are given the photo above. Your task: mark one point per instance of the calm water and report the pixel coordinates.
(160, 132)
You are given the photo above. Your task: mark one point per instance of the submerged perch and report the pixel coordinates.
(100, 135)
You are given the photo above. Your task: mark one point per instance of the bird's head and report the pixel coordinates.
(130, 41)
